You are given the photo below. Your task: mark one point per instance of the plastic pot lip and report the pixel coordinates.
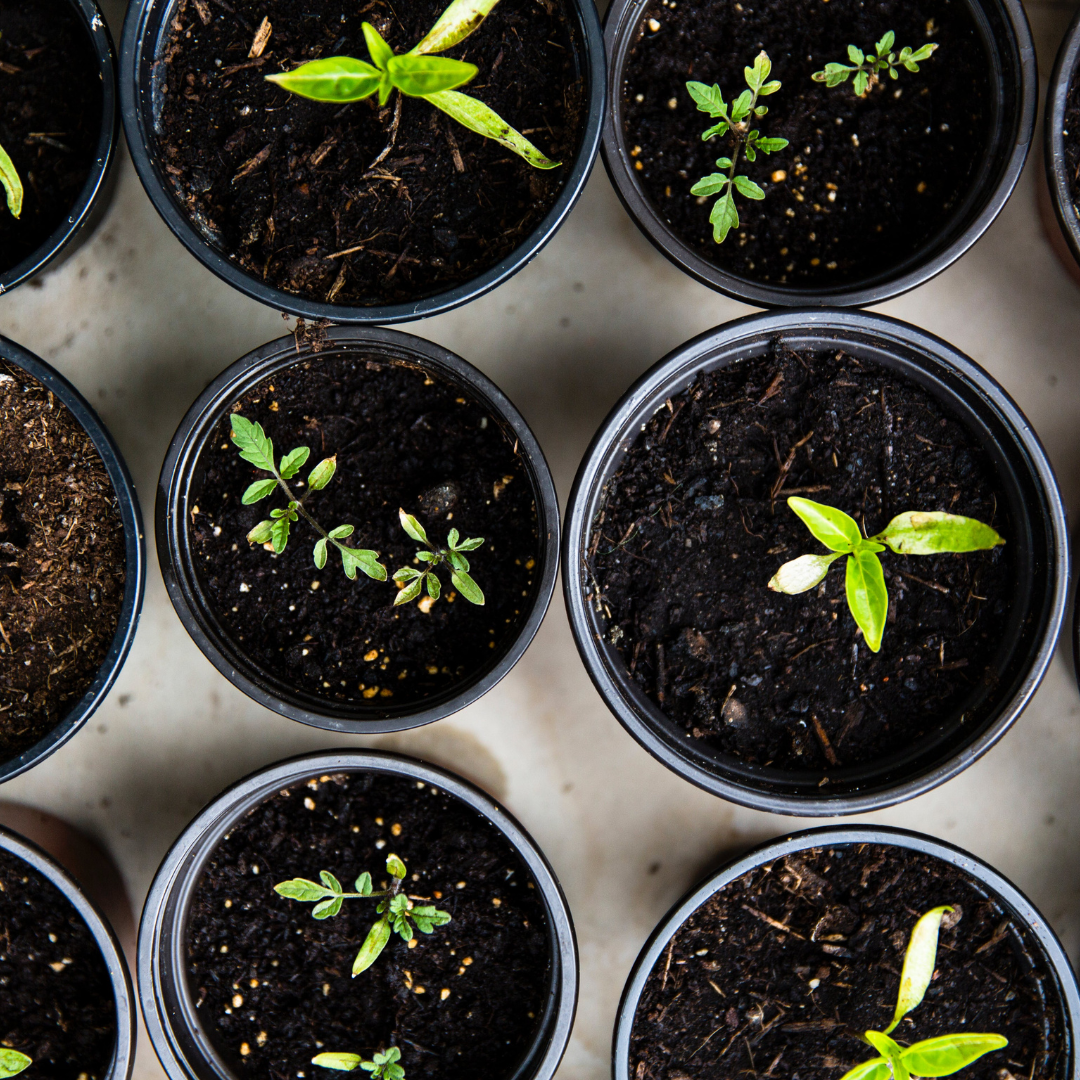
(162, 993)
(135, 108)
(95, 189)
(123, 1061)
(621, 21)
(1066, 67)
(134, 559)
(182, 457)
(834, 835)
(671, 372)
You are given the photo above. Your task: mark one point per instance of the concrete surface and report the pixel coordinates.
(141, 327)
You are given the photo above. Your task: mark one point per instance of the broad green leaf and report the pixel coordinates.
(710, 185)
(478, 117)
(919, 959)
(833, 75)
(340, 532)
(336, 79)
(279, 534)
(740, 107)
(770, 88)
(322, 474)
(932, 532)
(770, 146)
(409, 593)
(362, 559)
(862, 81)
(258, 491)
(302, 889)
(396, 868)
(452, 538)
(802, 574)
(419, 76)
(374, 943)
(431, 914)
(458, 561)
(747, 187)
(320, 553)
(835, 529)
(426, 556)
(380, 52)
(434, 587)
(12, 1062)
(716, 129)
(327, 909)
(467, 587)
(471, 544)
(723, 217)
(363, 884)
(756, 76)
(874, 1069)
(253, 443)
(330, 881)
(455, 24)
(867, 596)
(291, 462)
(407, 573)
(855, 55)
(883, 47)
(947, 1054)
(341, 1062)
(709, 99)
(261, 533)
(413, 527)
(9, 178)
(723, 163)
(891, 1051)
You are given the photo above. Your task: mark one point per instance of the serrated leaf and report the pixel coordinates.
(455, 24)
(481, 118)
(341, 1062)
(335, 79)
(396, 868)
(279, 533)
(363, 884)
(362, 559)
(380, 52)
(413, 527)
(710, 185)
(723, 217)
(261, 533)
(855, 55)
(740, 107)
(932, 532)
(258, 491)
(301, 889)
(322, 474)
(419, 76)
(920, 959)
(747, 187)
(708, 99)
(9, 178)
(716, 129)
(948, 1054)
(467, 587)
(327, 909)
(802, 574)
(471, 544)
(340, 532)
(320, 553)
(770, 146)
(835, 529)
(867, 596)
(254, 445)
(883, 47)
(756, 76)
(374, 943)
(291, 462)
(434, 587)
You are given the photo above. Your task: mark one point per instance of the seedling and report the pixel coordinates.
(867, 67)
(940, 1056)
(340, 79)
(398, 912)
(384, 1067)
(257, 448)
(12, 1063)
(13, 188)
(735, 120)
(410, 581)
(910, 533)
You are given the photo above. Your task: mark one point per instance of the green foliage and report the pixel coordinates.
(910, 533)
(12, 185)
(417, 73)
(384, 1066)
(12, 1062)
(398, 914)
(257, 448)
(940, 1056)
(735, 120)
(867, 67)
(411, 581)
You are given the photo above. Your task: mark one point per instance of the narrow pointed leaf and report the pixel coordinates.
(867, 596)
(320, 553)
(434, 587)
(919, 961)
(340, 532)
(12, 185)
(471, 544)
(301, 889)
(322, 474)
(929, 533)
(467, 587)
(412, 527)
(419, 76)
(291, 462)
(258, 491)
(409, 593)
(377, 47)
(801, 574)
(455, 24)
(374, 943)
(835, 529)
(341, 1062)
(482, 119)
(336, 79)
(874, 1069)
(947, 1054)
(891, 1051)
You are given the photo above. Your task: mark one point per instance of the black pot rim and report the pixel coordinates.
(123, 1061)
(134, 558)
(620, 22)
(135, 108)
(1022, 908)
(183, 588)
(178, 875)
(1066, 67)
(95, 188)
(642, 720)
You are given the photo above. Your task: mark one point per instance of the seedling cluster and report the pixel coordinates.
(384, 1066)
(910, 533)
(410, 580)
(12, 1062)
(868, 67)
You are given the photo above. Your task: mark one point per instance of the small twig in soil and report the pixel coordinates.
(929, 584)
(775, 923)
(830, 754)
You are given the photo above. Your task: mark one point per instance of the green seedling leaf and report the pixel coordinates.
(452, 538)
(710, 185)
(407, 573)
(322, 474)
(413, 527)
(341, 1062)
(948, 1054)
(362, 559)
(340, 532)
(478, 117)
(884, 46)
(455, 24)
(867, 596)
(434, 587)
(279, 533)
(716, 129)
(319, 553)
(426, 556)
(291, 462)
(835, 529)
(410, 592)
(855, 55)
(253, 443)
(745, 186)
(396, 868)
(12, 1062)
(374, 943)
(891, 1051)
(9, 178)
(862, 82)
(261, 533)
(930, 533)
(258, 491)
(302, 889)
(467, 587)
(741, 106)
(330, 881)
(419, 76)
(363, 884)
(335, 79)
(471, 544)
(802, 574)
(723, 217)
(756, 76)
(380, 52)
(327, 909)
(708, 99)
(770, 146)
(458, 561)
(919, 960)
(874, 1069)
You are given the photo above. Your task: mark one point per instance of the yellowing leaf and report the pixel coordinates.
(919, 961)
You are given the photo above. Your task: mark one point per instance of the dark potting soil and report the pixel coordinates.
(56, 999)
(402, 438)
(695, 523)
(50, 117)
(778, 971)
(863, 183)
(273, 986)
(62, 561)
(281, 185)
(1072, 138)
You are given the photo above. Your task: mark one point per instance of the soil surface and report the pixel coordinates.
(402, 439)
(777, 972)
(283, 185)
(695, 523)
(50, 117)
(62, 561)
(273, 985)
(863, 183)
(56, 1000)
(1072, 138)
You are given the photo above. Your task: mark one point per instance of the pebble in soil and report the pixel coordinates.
(272, 985)
(56, 998)
(695, 523)
(778, 973)
(402, 438)
(863, 183)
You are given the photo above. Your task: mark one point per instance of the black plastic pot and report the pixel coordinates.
(168, 1007)
(134, 554)
(1006, 36)
(143, 39)
(94, 198)
(123, 1060)
(1066, 69)
(178, 474)
(1042, 939)
(1040, 549)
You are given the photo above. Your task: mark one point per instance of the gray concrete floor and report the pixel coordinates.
(140, 327)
